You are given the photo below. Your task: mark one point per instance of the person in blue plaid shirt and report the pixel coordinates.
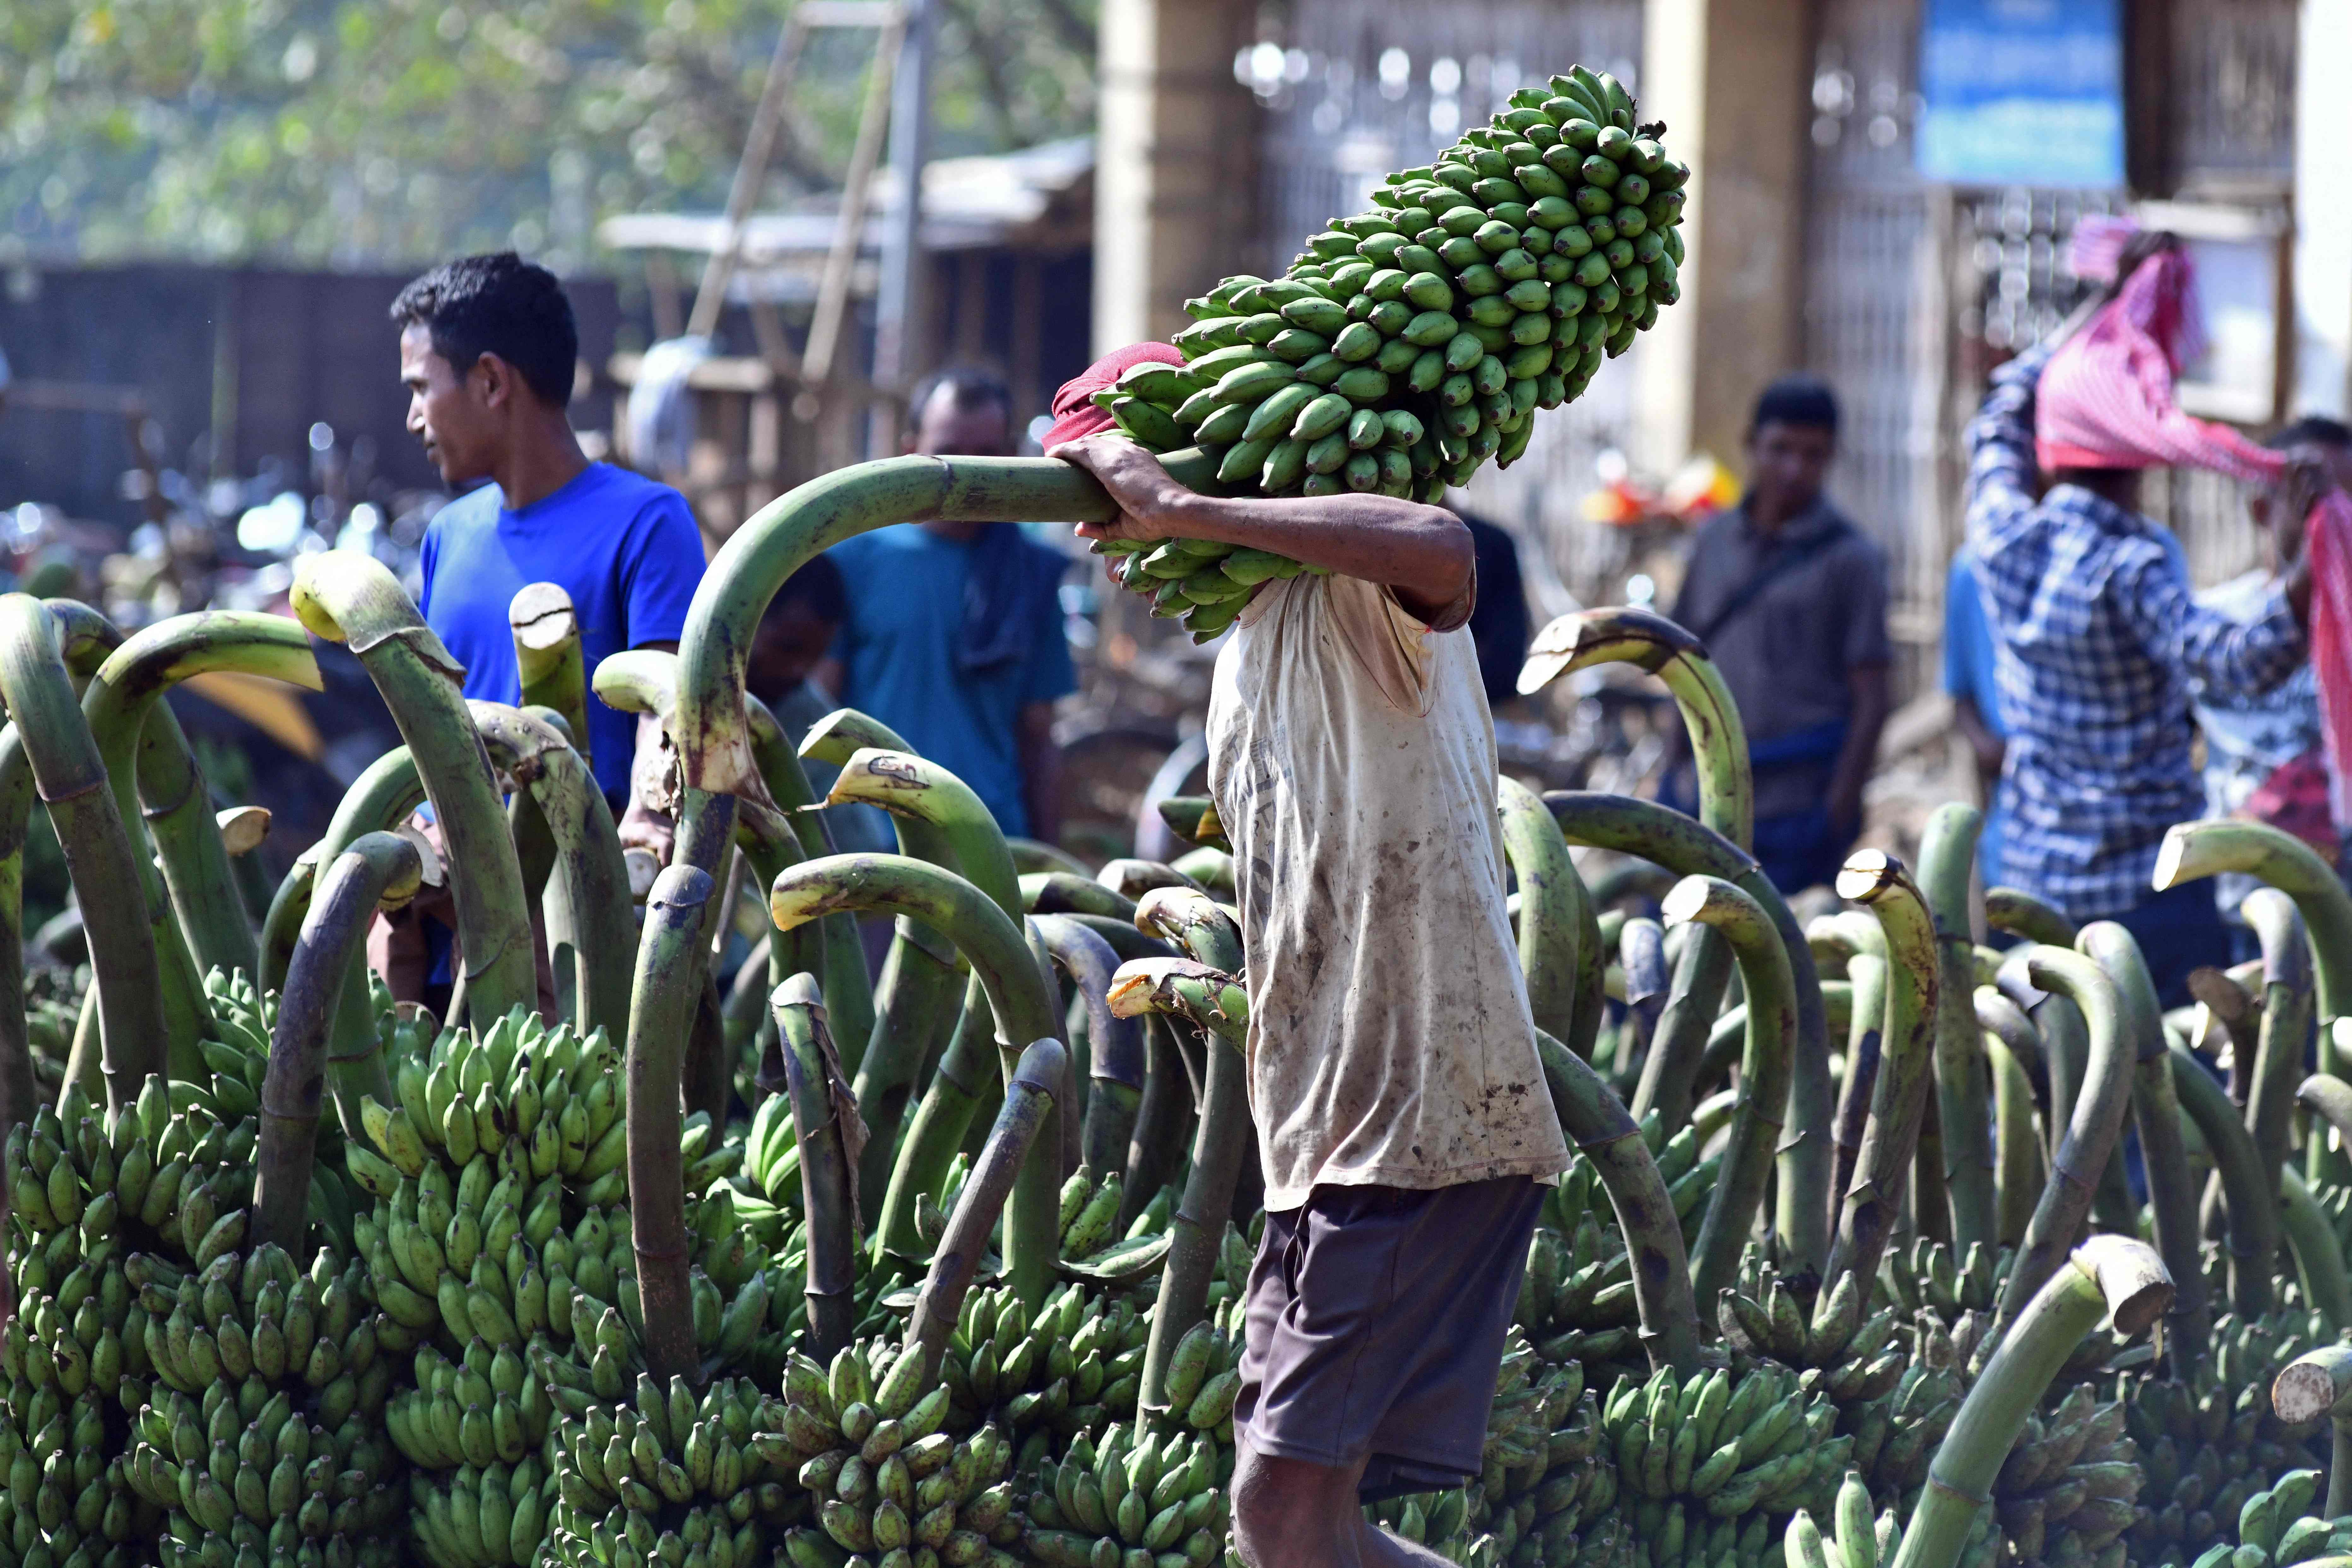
(2099, 639)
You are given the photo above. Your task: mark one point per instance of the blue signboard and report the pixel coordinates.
(2023, 92)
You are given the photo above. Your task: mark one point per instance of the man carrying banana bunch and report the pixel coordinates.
(1403, 1117)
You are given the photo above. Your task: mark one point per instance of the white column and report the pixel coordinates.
(2323, 209)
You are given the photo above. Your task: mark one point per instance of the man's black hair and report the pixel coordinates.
(815, 590)
(1797, 398)
(2313, 430)
(501, 305)
(969, 387)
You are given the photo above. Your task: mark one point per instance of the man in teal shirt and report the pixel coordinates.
(952, 631)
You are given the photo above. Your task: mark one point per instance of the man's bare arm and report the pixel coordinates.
(1421, 554)
(1872, 700)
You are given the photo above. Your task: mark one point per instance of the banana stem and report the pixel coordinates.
(549, 659)
(1114, 1044)
(1157, 1148)
(1193, 921)
(2014, 1141)
(1553, 908)
(1670, 1071)
(2020, 914)
(2319, 1383)
(658, 1028)
(591, 879)
(1764, 1072)
(70, 776)
(1725, 1041)
(2318, 1256)
(1017, 993)
(2107, 1276)
(282, 927)
(964, 1077)
(2252, 1204)
(1028, 1095)
(828, 1190)
(1947, 852)
(378, 801)
(198, 874)
(1668, 838)
(20, 1096)
(2285, 1032)
(1905, 1064)
(1061, 893)
(1866, 1042)
(351, 598)
(1605, 1134)
(1215, 1003)
(2194, 849)
(2155, 1111)
(377, 868)
(1641, 945)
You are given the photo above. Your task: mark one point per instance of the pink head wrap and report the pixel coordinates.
(1075, 415)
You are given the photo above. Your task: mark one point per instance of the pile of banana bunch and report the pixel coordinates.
(1133, 1498)
(2070, 1488)
(888, 1468)
(1894, 1435)
(263, 1431)
(1075, 1365)
(1090, 1209)
(2210, 1441)
(1409, 344)
(1703, 1459)
(1576, 1298)
(675, 1476)
(53, 1004)
(1858, 1359)
(1545, 1475)
(101, 1208)
(2276, 1528)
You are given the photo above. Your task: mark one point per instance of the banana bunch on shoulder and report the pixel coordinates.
(2277, 1530)
(1134, 1498)
(262, 1428)
(2070, 1488)
(1859, 1539)
(1859, 1359)
(669, 1476)
(1697, 1458)
(2210, 1440)
(877, 1449)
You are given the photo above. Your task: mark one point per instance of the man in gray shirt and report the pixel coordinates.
(1791, 599)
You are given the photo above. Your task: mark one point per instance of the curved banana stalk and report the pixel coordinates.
(713, 740)
(123, 704)
(1554, 913)
(657, 1030)
(645, 680)
(1764, 1071)
(1114, 1044)
(1640, 944)
(20, 1096)
(1865, 1043)
(1214, 1002)
(2285, 1028)
(2194, 849)
(812, 1075)
(1719, 740)
(2020, 914)
(1028, 1099)
(1670, 1071)
(965, 1078)
(71, 777)
(2155, 1111)
(1029, 855)
(1016, 988)
(2316, 1383)
(549, 659)
(379, 869)
(1724, 1040)
(282, 926)
(591, 880)
(2250, 1203)
(1596, 1121)
(1905, 1062)
(1651, 832)
(1209, 869)
(1193, 921)
(2318, 1257)
(1947, 853)
(2017, 1156)
(1065, 893)
(351, 598)
(2107, 1277)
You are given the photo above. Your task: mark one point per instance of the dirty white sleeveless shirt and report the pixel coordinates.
(1352, 762)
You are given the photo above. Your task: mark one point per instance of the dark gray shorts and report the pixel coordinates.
(1375, 1322)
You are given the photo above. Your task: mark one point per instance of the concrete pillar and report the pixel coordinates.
(1730, 79)
(1175, 161)
(2322, 210)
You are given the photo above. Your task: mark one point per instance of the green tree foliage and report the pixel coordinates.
(361, 133)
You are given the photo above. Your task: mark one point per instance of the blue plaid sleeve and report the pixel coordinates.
(2000, 456)
(2197, 643)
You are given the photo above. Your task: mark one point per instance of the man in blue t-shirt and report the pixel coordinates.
(952, 631)
(487, 348)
